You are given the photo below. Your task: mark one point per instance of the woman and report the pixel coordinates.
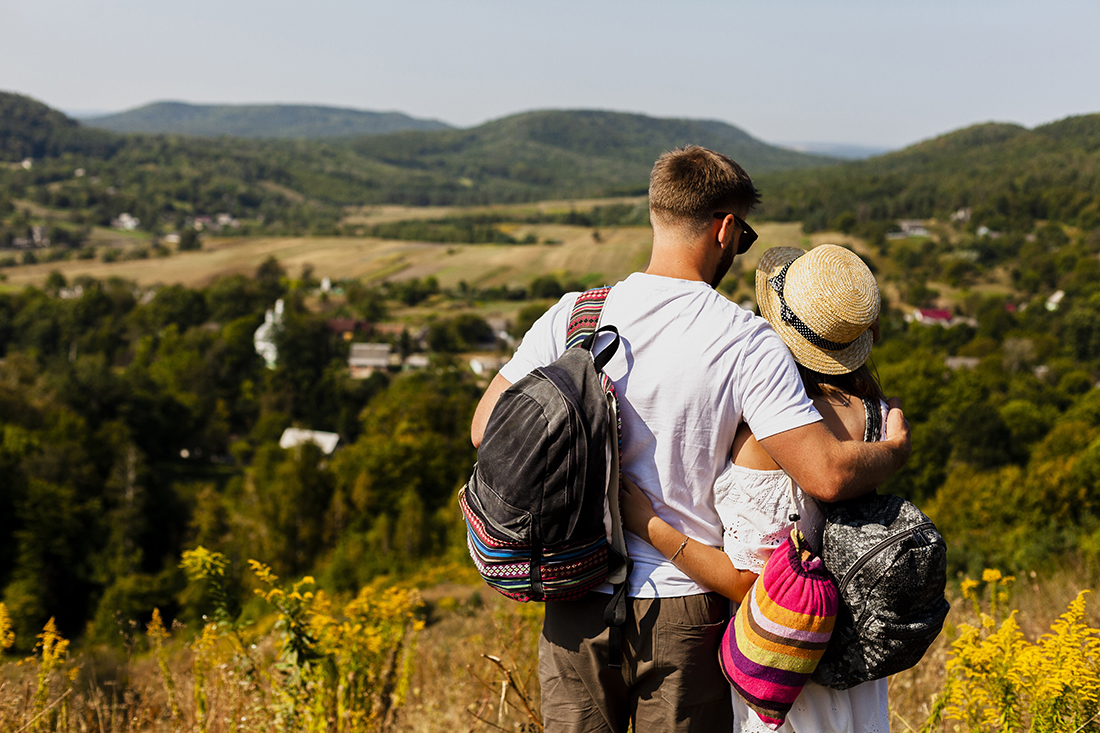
(824, 304)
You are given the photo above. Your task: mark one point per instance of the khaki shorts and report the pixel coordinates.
(670, 679)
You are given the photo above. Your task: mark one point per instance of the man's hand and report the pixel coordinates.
(833, 470)
(897, 429)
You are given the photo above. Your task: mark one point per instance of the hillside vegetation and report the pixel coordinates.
(30, 129)
(1007, 175)
(299, 185)
(257, 120)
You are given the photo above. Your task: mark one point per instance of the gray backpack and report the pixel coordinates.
(890, 564)
(542, 503)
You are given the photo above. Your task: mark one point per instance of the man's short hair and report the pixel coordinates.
(689, 184)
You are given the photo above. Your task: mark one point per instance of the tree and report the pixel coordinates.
(189, 240)
(55, 281)
(546, 286)
(414, 443)
(288, 493)
(270, 281)
(175, 305)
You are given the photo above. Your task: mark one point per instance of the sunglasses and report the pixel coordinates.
(748, 236)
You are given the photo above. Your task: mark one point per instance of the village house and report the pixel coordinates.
(486, 366)
(346, 328)
(933, 316)
(913, 228)
(126, 222)
(264, 338)
(293, 437)
(937, 317)
(961, 362)
(366, 359)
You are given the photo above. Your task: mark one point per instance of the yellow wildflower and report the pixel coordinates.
(7, 636)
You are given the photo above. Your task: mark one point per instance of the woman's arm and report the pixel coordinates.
(706, 565)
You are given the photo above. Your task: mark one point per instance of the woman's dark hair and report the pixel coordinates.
(859, 383)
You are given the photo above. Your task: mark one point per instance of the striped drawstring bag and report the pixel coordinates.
(780, 631)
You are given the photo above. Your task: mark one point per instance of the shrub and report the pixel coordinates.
(998, 680)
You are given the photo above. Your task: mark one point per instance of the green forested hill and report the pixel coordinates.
(30, 129)
(1008, 175)
(570, 153)
(299, 185)
(258, 120)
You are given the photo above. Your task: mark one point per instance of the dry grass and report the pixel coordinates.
(386, 213)
(619, 251)
(456, 685)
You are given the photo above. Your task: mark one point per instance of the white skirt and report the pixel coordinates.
(860, 709)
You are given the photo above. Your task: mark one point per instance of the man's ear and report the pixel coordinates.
(727, 230)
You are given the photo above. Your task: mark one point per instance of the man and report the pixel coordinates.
(692, 367)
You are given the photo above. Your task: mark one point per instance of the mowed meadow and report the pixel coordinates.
(572, 251)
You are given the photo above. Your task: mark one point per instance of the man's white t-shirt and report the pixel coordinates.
(691, 367)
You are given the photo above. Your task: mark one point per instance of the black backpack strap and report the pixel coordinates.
(872, 424)
(583, 328)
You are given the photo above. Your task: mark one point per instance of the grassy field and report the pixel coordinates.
(384, 214)
(593, 256)
(615, 253)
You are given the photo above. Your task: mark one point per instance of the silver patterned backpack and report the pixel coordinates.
(890, 564)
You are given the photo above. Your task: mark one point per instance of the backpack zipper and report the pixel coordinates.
(908, 634)
(870, 554)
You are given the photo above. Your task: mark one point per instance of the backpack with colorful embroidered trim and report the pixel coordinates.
(541, 506)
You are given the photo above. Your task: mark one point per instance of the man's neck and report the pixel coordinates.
(675, 258)
(675, 273)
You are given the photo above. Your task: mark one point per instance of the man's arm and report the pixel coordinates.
(485, 408)
(833, 470)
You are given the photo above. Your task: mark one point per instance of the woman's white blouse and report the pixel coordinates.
(755, 508)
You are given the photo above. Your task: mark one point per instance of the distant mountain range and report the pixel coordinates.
(524, 157)
(258, 120)
(315, 122)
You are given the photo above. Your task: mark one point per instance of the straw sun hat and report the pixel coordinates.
(822, 303)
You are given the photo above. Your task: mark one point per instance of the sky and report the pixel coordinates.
(881, 73)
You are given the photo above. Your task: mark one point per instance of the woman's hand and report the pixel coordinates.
(709, 566)
(637, 509)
